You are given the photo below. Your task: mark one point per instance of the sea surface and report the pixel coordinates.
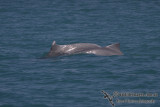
(28, 28)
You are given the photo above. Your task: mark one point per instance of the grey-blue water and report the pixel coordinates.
(28, 27)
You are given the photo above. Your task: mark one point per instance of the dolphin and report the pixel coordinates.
(87, 48)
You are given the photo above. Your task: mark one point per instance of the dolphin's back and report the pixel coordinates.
(78, 48)
(88, 48)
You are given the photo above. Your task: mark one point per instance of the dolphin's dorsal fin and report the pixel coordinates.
(53, 45)
(114, 46)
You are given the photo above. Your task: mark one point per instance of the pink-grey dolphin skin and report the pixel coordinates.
(88, 48)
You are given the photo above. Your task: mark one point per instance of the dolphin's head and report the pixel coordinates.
(54, 51)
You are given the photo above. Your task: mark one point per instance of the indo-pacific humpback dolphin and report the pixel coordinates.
(88, 48)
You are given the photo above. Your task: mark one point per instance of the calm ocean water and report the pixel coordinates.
(28, 27)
